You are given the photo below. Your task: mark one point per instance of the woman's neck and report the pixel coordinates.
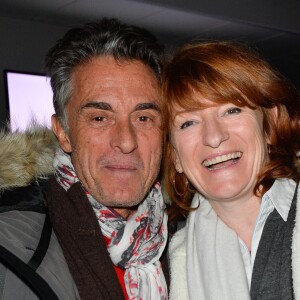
(240, 215)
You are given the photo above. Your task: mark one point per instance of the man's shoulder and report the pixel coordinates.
(22, 214)
(20, 235)
(32, 197)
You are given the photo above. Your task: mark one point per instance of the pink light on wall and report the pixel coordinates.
(29, 98)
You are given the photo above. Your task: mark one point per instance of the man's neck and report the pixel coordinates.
(125, 212)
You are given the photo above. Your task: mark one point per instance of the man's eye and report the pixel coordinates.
(186, 124)
(144, 119)
(233, 110)
(99, 119)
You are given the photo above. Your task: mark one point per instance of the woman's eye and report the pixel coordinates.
(233, 110)
(186, 124)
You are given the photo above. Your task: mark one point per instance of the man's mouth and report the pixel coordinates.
(122, 168)
(222, 161)
(121, 165)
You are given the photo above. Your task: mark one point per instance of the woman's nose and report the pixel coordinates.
(214, 133)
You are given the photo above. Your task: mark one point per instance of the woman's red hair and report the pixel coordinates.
(224, 72)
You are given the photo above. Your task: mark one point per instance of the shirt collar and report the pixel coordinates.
(281, 195)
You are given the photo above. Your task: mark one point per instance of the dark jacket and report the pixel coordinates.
(25, 192)
(26, 164)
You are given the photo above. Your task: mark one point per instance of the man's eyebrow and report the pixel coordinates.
(107, 106)
(147, 105)
(98, 105)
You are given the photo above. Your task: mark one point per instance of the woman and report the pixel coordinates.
(231, 164)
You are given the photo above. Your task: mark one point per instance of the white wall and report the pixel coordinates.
(23, 45)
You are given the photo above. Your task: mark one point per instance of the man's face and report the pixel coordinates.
(114, 136)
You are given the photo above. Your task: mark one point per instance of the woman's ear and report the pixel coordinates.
(176, 161)
(61, 135)
(273, 117)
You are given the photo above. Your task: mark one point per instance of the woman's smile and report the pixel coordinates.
(222, 161)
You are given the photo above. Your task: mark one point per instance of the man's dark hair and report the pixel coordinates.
(106, 37)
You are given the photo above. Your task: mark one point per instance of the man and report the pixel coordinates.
(104, 204)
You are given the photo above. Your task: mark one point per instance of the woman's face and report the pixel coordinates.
(221, 149)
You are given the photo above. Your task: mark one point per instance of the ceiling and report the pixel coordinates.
(272, 26)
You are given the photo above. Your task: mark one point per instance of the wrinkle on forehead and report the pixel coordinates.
(119, 80)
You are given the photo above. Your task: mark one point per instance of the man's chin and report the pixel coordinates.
(125, 212)
(121, 200)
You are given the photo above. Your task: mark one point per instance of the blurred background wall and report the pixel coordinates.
(28, 28)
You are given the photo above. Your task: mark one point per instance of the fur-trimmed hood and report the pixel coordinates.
(26, 156)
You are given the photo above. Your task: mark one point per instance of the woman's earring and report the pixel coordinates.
(181, 182)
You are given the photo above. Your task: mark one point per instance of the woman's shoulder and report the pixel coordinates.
(177, 243)
(177, 256)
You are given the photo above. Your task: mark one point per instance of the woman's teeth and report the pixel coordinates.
(221, 158)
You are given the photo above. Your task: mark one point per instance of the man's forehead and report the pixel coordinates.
(105, 73)
(109, 65)
(105, 80)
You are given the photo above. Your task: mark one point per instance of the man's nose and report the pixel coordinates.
(124, 136)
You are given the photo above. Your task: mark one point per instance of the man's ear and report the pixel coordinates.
(61, 135)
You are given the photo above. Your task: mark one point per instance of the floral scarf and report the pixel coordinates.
(135, 244)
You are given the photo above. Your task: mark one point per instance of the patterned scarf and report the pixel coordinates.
(135, 244)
